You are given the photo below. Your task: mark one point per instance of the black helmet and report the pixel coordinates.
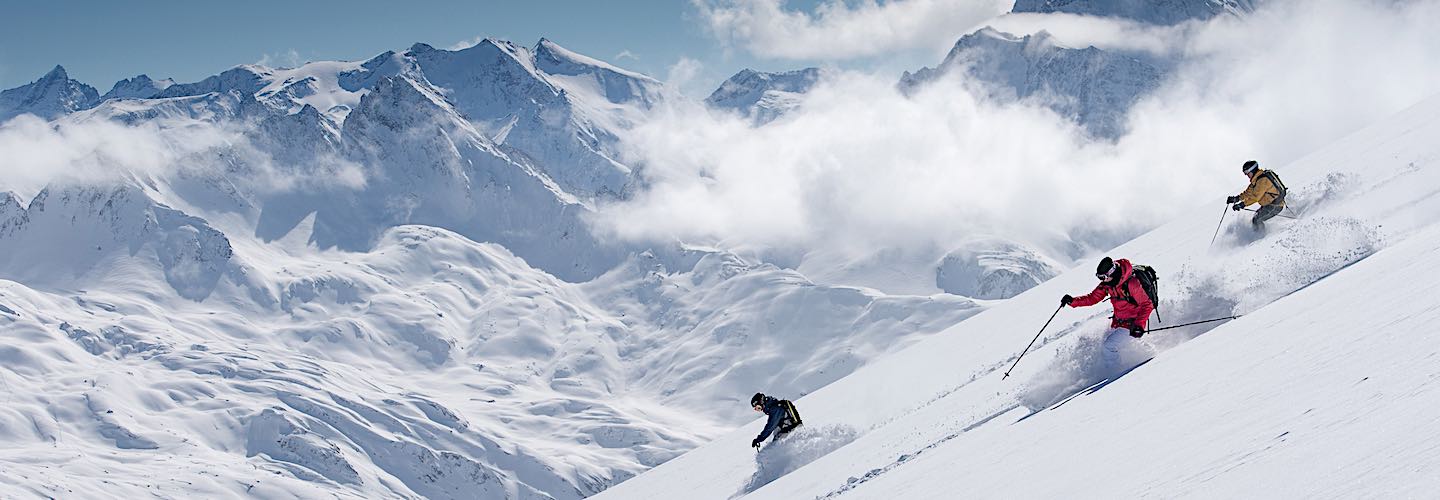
(1105, 270)
(757, 400)
(1250, 166)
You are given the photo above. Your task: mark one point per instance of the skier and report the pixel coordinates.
(1265, 189)
(1132, 307)
(783, 417)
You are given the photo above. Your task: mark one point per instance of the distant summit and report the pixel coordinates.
(1093, 87)
(54, 94)
(1163, 12)
(762, 96)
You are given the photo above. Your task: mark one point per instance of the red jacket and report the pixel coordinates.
(1132, 306)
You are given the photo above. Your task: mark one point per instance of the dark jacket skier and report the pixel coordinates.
(781, 413)
(1265, 189)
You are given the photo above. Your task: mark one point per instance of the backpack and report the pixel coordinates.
(1275, 180)
(1147, 277)
(791, 411)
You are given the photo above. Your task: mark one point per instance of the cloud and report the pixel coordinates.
(860, 166)
(839, 31)
(39, 153)
(466, 43)
(86, 151)
(287, 59)
(626, 54)
(1109, 33)
(684, 76)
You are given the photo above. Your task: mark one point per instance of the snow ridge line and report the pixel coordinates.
(855, 482)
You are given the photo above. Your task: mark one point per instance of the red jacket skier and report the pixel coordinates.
(1132, 305)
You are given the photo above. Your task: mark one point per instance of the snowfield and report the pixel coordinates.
(300, 306)
(1323, 388)
(423, 275)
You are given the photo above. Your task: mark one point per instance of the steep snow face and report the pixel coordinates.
(1093, 87)
(1163, 12)
(1332, 345)
(428, 166)
(139, 87)
(54, 94)
(597, 78)
(763, 97)
(559, 110)
(993, 269)
(68, 232)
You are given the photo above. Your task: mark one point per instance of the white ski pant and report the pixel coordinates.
(1120, 350)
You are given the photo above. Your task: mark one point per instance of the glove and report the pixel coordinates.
(1238, 206)
(1136, 332)
(755, 443)
(1066, 300)
(1232, 199)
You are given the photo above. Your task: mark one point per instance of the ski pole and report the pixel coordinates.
(1195, 323)
(1032, 341)
(1281, 214)
(1223, 213)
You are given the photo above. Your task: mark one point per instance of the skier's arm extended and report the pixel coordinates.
(1090, 299)
(770, 425)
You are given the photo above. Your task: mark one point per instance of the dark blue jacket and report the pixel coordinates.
(776, 414)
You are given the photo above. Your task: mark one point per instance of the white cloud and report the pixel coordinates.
(1110, 33)
(859, 165)
(466, 43)
(626, 54)
(684, 76)
(40, 153)
(287, 59)
(838, 31)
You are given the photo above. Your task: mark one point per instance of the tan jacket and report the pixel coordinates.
(1261, 190)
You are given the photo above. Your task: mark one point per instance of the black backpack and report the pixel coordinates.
(1274, 179)
(1147, 277)
(791, 411)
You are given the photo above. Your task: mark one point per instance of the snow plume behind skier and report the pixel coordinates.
(801, 447)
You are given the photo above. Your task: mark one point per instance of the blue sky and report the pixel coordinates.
(100, 42)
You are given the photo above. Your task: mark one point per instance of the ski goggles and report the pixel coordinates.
(1107, 274)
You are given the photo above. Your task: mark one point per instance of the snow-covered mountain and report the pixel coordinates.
(761, 96)
(139, 87)
(498, 142)
(378, 282)
(1163, 12)
(53, 95)
(1093, 87)
(1292, 399)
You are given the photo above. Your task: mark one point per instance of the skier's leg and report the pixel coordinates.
(1115, 340)
(1265, 213)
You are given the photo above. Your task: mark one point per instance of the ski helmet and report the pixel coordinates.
(1250, 166)
(1106, 269)
(758, 399)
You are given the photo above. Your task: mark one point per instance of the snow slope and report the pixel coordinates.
(1323, 387)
